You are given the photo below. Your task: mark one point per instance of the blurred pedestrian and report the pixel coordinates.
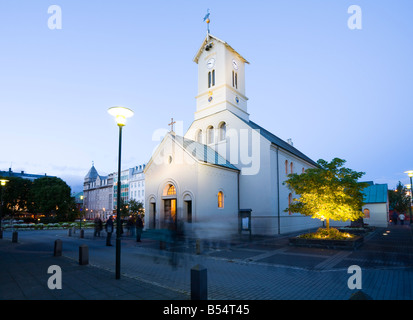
(139, 228)
(98, 226)
(401, 218)
(394, 217)
(109, 230)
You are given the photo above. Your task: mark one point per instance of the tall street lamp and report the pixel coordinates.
(410, 174)
(120, 114)
(2, 183)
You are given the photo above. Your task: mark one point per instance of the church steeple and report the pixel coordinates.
(221, 79)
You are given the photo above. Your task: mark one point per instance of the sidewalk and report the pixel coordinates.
(266, 268)
(24, 276)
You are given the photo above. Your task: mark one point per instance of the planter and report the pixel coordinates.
(348, 244)
(356, 231)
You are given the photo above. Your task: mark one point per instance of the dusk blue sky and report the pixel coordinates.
(334, 91)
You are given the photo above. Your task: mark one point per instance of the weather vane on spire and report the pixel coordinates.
(206, 19)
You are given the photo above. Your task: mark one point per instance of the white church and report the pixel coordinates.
(224, 164)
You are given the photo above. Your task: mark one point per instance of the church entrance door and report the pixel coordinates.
(170, 214)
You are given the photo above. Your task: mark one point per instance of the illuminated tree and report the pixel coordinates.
(329, 191)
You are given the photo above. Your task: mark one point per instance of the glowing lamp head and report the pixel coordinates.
(3, 182)
(208, 21)
(409, 173)
(120, 114)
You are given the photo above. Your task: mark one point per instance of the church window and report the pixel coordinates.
(211, 78)
(291, 167)
(303, 170)
(222, 131)
(220, 199)
(286, 166)
(199, 136)
(235, 79)
(366, 213)
(171, 191)
(210, 134)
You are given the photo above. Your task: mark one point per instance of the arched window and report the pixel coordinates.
(366, 213)
(211, 79)
(286, 166)
(171, 190)
(199, 136)
(291, 167)
(303, 170)
(220, 199)
(210, 135)
(222, 131)
(290, 200)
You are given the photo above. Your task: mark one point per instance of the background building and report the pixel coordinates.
(100, 192)
(97, 195)
(22, 174)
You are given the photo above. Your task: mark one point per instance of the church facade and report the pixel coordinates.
(225, 163)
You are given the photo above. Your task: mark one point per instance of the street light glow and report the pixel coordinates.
(120, 114)
(409, 173)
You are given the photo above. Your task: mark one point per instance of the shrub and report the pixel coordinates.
(328, 234)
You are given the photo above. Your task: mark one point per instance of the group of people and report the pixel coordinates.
(132, 224)
(399, 217)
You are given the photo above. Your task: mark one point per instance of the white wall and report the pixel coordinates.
(199, 181)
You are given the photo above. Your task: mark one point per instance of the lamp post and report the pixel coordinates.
(2, 183)
(120, 114)
(410, 174)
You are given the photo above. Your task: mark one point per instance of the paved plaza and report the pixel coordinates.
(265, 268)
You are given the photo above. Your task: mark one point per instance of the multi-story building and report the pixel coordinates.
(132, 185)
(100, 192)
(137, 184)
(97, 195)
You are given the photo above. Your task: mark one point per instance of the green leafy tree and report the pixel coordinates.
(51, 196)
(399, 199)
(15, 196)
(329, 191)
(136, 207)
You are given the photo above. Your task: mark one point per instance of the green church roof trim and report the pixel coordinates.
(203, 153)
(377, 193)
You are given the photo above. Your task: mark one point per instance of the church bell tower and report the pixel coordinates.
(221, 79)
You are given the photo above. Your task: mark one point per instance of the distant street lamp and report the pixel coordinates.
(2, 183)
(410, 174)
(120, 114)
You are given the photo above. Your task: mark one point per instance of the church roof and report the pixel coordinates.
(281, 143)
(207, 40)
(203, 153)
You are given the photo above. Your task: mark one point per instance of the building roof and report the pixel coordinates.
(203, 153)
(208, 39)
(281, 143)
(376, 193)
(92, 174)
(22, 175)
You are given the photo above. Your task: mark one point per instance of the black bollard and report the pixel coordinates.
(83, 255)
(14, 237)
(199, 283)
(82, 233)
(58, 248)
(69, 232)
